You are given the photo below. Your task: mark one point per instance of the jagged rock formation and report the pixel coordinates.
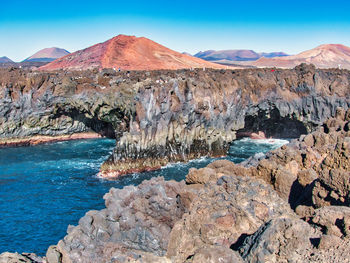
(182, 119)
(163, 116)
(61, 104)
(7, 257)
(236, 213)
(172, 219)
(312, 170)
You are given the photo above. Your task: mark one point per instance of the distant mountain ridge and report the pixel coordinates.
(128, 53)
(235, 55)
(5, 60)
(47, 55)
(323, 56)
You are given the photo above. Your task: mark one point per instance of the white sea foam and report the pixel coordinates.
(171, 165)
(271, 141)
(183, 164)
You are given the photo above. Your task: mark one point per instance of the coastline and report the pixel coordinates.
(114, 171)
(41, 139)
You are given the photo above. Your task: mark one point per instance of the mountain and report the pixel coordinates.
(273, 54)
(186, 53)
(324, 56)
(47, 55)
(128, 53)
(235, 55)
(5, 60)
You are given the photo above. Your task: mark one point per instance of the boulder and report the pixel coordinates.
(222, 213)
(278, 240)
(215, 254)
(334, 220)
(7, 257)
(136, 218)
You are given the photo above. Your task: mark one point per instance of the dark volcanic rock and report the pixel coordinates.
(313, 170)
(279, 240)
(201, 113)
(163, 116)
(222, 213)
(136, 218)
(215, 254)
(7, 257)
(159, 217)
(227, 212)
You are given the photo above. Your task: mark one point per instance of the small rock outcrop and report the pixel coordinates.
(223, 212)
(135, 219)
(7, 257)
(279, 240)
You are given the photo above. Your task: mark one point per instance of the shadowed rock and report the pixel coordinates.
(279, 240)
(163, 116)
(222, 212)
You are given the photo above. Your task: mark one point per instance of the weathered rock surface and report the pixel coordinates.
(7, 257)
(279, 240)
(163, 116)
(222, 212)
(334, 220)
(188, 118)
(215, 254)
(313, 170)
(172, 219)
(136, 218)
(227, 212)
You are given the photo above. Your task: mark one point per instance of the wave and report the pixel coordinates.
(271, 141)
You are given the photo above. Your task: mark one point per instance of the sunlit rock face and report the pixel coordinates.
(230, 212)
(163, 116)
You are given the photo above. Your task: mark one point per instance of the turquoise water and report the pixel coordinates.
(45, 188)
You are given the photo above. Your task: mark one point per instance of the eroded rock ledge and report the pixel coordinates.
(291, 206)
(185, 117)
(163, 116)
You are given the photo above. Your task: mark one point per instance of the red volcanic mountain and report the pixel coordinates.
(128, 53)
(324, 56)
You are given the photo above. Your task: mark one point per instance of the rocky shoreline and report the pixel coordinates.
(163, 116)
(291, 206)
(40, 139)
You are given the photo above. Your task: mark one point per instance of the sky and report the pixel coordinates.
(186, 26)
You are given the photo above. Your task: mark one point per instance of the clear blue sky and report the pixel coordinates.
(291, 26)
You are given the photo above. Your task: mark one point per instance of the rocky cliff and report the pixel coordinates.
(196, 113)
(163, 116)
(291, 206)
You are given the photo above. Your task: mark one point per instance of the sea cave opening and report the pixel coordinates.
(94, 124)
(272, 124)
